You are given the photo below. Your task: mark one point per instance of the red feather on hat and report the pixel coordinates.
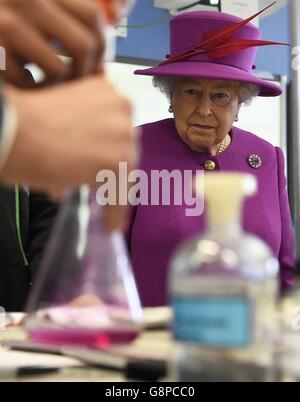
(218, 43)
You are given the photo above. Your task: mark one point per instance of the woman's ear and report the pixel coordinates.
(237, 113)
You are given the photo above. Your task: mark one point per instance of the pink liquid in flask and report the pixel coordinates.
(83, 337)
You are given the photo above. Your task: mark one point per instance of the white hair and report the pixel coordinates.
(247, 91)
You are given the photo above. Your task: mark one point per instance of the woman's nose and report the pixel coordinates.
(204, 107)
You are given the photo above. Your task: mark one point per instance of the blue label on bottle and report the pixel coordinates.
(213, 322)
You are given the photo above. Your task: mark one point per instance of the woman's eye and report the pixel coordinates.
(192, 92)
(221, 95)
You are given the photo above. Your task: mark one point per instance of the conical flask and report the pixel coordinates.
(85, 293)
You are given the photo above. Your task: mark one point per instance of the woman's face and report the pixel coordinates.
(204, 111)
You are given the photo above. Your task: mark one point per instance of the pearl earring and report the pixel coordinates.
(171, 110)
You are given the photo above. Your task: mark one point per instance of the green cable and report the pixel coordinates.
(17, 197)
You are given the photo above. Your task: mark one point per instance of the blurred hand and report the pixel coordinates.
(30, 31)
(67, 134)
(117, 8)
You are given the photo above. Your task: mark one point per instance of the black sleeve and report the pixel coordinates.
(42, 213)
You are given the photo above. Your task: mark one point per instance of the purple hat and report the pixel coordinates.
(214, 45)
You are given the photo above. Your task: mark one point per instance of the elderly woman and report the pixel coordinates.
(206, 79)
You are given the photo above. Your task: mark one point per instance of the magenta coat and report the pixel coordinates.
(155, 231)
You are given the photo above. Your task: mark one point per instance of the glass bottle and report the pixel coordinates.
(290, 331)
(223, 288)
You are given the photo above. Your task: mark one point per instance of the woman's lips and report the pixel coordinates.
(203, 128)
